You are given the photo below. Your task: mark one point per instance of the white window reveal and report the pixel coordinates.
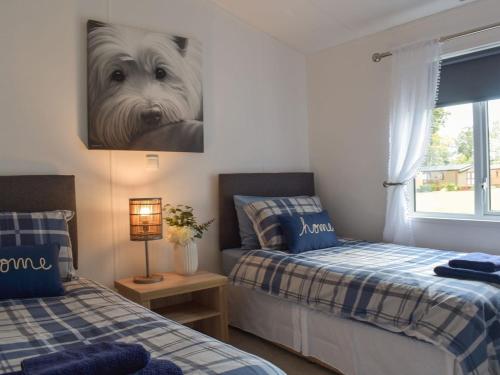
(464, 150)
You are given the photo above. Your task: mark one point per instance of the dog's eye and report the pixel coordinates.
(160, 73)
(117, 76)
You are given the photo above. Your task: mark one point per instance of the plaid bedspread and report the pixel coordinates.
(390, 286)
(90, 313)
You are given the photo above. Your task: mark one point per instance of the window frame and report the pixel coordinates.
(482, 211)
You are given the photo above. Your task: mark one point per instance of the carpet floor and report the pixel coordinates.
(290, 363)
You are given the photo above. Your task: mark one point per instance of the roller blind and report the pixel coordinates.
(473, 77)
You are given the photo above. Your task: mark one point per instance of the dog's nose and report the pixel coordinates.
(151, 117)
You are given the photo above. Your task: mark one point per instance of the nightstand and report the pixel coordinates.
(198, 301)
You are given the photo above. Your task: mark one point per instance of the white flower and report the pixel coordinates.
(180, 235)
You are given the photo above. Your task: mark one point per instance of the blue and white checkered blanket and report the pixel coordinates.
(91, 313)
(390, 286)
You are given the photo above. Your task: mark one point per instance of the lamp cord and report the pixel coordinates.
(112, 188)
(112, 208)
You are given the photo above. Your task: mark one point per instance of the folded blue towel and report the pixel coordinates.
(110, 358)
(477, 261)
(461, 273)
(160, 367)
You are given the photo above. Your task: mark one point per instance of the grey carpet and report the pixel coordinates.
(288, 362)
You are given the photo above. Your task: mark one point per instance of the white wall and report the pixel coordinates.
(255, 118)
(348, 118)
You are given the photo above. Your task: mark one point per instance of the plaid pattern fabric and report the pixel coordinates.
(390, 286)
(90, 313)
(264, 217)
(40, 228)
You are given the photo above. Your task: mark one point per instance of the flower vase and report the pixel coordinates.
(186, 258)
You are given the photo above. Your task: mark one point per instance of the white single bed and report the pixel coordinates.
(351, 347)
(90, 313)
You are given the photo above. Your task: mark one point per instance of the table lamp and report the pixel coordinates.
(146, 224)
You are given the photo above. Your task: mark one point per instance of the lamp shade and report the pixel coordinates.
(146, 222)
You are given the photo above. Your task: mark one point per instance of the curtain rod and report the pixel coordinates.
(378, 56)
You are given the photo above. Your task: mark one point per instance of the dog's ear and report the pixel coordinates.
(181, 44)
(92, 25)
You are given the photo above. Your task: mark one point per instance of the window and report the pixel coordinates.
(451, 155)
(493, 121)
(465, 138)
(464, 145)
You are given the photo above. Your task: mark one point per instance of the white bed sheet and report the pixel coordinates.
(352, 347)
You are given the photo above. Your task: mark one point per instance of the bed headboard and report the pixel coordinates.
(41, 193)
(258, 184)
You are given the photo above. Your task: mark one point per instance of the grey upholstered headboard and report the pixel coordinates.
(258, 184)
(41, 193)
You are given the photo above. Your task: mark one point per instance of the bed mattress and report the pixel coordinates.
(351, 347)
(90, 313)
(390, 286)
(343, 344)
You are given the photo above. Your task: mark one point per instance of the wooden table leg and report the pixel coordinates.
(224, 329)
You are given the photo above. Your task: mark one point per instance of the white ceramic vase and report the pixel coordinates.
(186, 258)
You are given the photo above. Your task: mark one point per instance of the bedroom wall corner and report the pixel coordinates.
(348, 127)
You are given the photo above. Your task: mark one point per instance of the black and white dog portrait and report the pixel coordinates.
(144, 90)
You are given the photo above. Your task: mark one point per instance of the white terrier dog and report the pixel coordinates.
(139, 82)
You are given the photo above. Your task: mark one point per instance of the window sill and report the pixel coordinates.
(465, 219)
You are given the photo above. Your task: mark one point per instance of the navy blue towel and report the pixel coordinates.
(461, 273)
(160, 367)
(112, 358)
(477, 261)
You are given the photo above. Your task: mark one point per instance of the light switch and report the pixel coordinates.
(152, 162)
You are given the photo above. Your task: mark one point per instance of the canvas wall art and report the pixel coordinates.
(144, 90)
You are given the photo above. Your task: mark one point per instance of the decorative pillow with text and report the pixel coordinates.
(308, 232)
(30, 272)
(40, 228)
(264, 216)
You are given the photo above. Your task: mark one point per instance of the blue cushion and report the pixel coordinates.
(264, 217)
(30, 272)
(249, 239)
(308, 232)
(39, 228)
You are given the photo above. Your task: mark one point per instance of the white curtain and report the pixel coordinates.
(415, 77)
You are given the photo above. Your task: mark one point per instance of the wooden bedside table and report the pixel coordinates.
(198, 300)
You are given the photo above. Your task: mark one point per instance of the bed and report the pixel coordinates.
(295, 294)
(90, 312)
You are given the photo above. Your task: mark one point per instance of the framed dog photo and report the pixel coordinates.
(144, 90)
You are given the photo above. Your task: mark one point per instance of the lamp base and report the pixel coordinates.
(148, 280)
